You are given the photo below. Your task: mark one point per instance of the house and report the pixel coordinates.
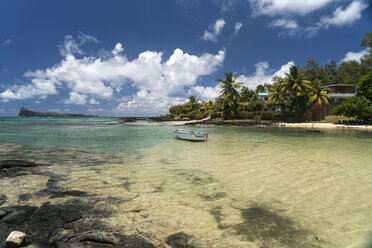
(264, 96)
(340, 92)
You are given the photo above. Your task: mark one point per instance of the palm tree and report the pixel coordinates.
(276, 95)
(296, 86)
(319, 94)
(230, 92)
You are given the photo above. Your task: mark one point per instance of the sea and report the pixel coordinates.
(244, 187)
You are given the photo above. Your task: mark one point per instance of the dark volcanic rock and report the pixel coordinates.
(272, 229)
(16, 163)
(135, 241)
(17, 215)
(49, 218)
(184, 240)
(3, 199)
(101, 239)
(53, 190)
(95, 238)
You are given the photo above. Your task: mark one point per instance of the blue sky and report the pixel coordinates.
(137, 58)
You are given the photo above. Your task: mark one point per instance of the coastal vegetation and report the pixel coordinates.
(301, 94)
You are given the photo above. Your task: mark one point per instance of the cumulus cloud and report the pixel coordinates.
(354, 55)
(263, 74)
(237, 27)
(118, 49)
(76, 99)
(340, 17)
(287, 10)
(38, 87)
(205, 93)
(213, 31)
(286, 7)
(157, 83)
(348, 15)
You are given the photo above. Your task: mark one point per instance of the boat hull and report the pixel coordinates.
(191, 135)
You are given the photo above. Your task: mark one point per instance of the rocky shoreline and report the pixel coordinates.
(73, 220)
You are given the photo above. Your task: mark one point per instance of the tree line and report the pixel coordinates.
(299, 93)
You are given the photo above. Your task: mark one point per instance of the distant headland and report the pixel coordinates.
(23, 112)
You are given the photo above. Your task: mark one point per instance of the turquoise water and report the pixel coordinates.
(315, 188)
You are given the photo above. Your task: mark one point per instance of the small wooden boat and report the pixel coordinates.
(191, 135)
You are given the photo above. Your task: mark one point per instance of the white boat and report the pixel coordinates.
(191, 135)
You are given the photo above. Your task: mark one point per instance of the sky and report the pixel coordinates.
(138, 58)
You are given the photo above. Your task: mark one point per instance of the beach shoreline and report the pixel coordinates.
(305, 125)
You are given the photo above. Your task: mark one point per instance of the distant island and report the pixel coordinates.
(23, 112)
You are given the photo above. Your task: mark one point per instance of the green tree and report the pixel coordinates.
(177, 109)
(247, 94)
(367, 58)
(256, 104)
(277, 96)
(262, 88)
(229, 92)
(296, 87)
(314, 71)
(350, 72)
(331, 70)
(358, 106)
(319, 94)
(364, 87)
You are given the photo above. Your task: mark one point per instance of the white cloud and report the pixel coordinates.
(94, 110)
(287, 10)
(263, 74)
(76, 99)
(354, 55)
(213, 31)
(39, 87)
(157, 83)
(93, 101)
(118, 49)
(237, 27)
(341, 17)
(286, 7)
(87, 38)
(71, 46)
(205, 93)
(284, 23)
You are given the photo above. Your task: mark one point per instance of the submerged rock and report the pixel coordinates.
(272, 229)
(101, 239)
(16, 163)
(17, 215)
(3, 199)
(184, 240)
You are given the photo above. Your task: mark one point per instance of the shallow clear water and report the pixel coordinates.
(245, 187)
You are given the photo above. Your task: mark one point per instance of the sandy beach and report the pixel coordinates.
(311, 125)
(307, 125)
